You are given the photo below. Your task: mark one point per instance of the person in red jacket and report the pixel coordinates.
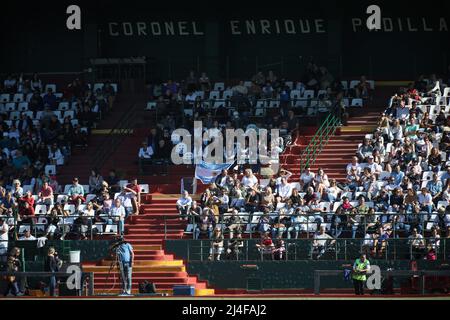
(26, 208)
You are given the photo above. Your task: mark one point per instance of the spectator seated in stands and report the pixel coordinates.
(27, 236)
(45, 195)
(183, 205)
(113, 181)
(95, 182)
(145, 155)
(321, 243)
(26, 209)
(249, 180)
(117, 215)
(306, 179)
(76, 193)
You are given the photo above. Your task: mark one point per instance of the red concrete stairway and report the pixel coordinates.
(146, 233)
(335, 156)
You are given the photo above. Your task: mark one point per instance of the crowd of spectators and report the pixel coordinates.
(397, 186)
(267, 101)
(39, 127)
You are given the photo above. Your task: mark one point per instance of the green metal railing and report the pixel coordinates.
(319, 140)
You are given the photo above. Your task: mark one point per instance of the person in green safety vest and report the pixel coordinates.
(360, 269)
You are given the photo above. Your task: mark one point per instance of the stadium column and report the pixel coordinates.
(91, 44)
(335, 36)
(212, 54)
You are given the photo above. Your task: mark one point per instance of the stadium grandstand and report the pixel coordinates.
(121, 172)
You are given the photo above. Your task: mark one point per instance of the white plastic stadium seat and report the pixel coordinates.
(4, 97)
(353, 84)
(123, 183)
(27, 187)
(259, 112)
(90, 197)
(41, 209)
(70, 208)
(214, 95)
(308, 94)
(227, 94)
(22, 106)
(295, 94)
(98, 86)
(427, 176)
(357, 102)
(219, 86)
(62, 198)
(50, 169)
(10, 106)
(15, 115)
(69, 113)
(50, 86)
(274, 104)
(18, 97)
(151, 105)
(66, 188)
(144, 188)
(63, 106)
(111, 228)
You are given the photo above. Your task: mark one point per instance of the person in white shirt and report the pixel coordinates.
(117, 214)
(374, 167)
(396, 131)
(145, 155)
(4, 229)
(354, 165)
(146, 151)
(89, 211)
(27, 236)
(306, 179)
(184, 204)
(425, 201)
(55, 155)
(284, 190)
(249, 180)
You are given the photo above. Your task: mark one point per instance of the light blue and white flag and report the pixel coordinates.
(207, 172)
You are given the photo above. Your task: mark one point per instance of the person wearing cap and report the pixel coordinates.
(125, 258)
